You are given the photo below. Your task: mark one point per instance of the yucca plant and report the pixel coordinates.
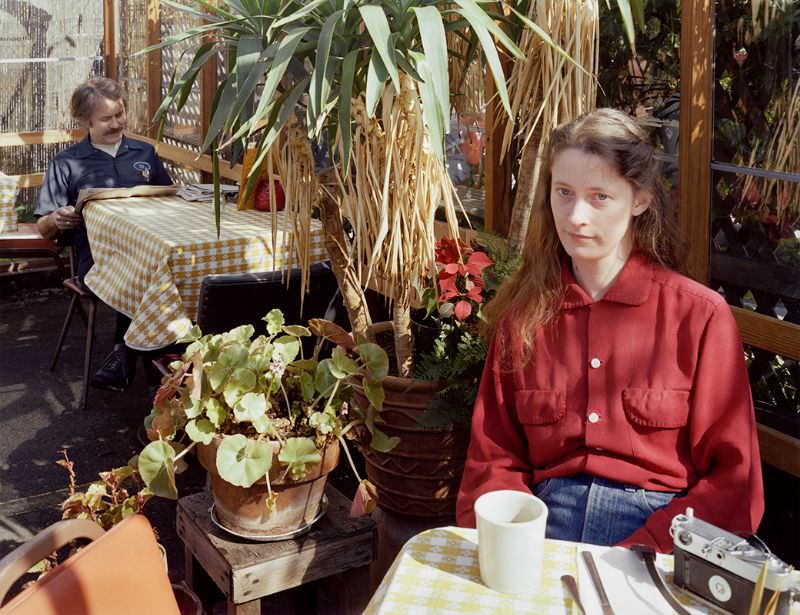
(368, 81)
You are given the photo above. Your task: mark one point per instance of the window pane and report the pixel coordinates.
(757, 85)
(755, 244)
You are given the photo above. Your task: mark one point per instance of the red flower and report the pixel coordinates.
(463, 310)
(447, 250)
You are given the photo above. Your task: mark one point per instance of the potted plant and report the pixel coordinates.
(431, 413)
(267, 422)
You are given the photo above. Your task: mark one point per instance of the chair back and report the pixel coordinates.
(121, 572)
(231, 300)
(9, 188)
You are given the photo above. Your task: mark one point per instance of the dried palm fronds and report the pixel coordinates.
(391, 197)
(291, 159)
(546, 88)
(781, 153)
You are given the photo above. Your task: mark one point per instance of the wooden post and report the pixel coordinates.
(110, 38)
(497, 180)
(208, 88)
(696, 130)
(153, 64)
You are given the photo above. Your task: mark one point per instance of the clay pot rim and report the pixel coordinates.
(400, 382)
(313, 473)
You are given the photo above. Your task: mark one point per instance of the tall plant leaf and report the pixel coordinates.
(434, 42)
(320, 83)
(376, 81)
(285, 52)
(378, 28)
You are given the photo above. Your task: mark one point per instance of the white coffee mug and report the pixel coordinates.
(511, 528)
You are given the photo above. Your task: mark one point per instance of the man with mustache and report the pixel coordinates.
(106, 158)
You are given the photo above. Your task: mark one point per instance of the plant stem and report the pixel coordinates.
(349, 458)
(186, 450)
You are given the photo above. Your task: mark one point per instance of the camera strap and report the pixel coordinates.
(648, 556)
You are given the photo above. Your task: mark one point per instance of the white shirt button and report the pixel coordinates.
(595, 363)
(593, 417)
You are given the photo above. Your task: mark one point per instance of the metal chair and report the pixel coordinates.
(79, 294)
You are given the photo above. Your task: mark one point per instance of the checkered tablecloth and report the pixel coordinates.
(437, 572)
(152, 253)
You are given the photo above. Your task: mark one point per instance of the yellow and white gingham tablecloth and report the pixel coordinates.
(152, 253)
(437, 573)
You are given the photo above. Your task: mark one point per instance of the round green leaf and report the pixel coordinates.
(323, 379)
(233, 355)
(299, 454)
(215, 412)
(287, 347)
(242, 461)
(274, 320)
(217, 375)
(297, 331)
(242, 333)
(250, 407)
(342, 365)
(157, 469)
(200, 430)
(375, 359)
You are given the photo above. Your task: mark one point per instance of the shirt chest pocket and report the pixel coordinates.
(541, 412)
(656, 408)
(540, 407)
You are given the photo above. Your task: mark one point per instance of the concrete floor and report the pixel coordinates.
(39, 418)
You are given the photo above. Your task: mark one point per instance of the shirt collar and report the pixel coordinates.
(84, 148)
(631, 287)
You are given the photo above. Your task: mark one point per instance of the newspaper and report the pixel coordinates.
(205, 192)
(96, 194)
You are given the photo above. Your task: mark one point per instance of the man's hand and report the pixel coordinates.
(58, 221)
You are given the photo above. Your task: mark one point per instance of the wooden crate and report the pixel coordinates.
(337, 552)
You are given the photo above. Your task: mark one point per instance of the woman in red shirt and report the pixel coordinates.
(615, 389)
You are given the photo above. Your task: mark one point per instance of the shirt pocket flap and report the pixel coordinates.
(540, 407)
(662, 408)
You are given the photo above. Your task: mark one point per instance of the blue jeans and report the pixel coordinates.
(585, 508)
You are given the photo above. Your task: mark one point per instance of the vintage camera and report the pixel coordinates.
(722, 568)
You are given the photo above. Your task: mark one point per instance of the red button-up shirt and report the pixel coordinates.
(646, 386)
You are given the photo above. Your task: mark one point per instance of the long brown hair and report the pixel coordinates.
(533, 295)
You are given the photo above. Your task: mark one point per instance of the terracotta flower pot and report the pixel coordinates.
(244, 510)
(420, 477)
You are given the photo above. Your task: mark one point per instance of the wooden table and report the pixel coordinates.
(336, 552)
(152, 253)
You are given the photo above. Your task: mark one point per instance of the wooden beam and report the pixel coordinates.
(497, 176)
(694, 179)
(779, 450)
(110, 38)
(208, 89)
(153, 63)
(191, 159)
(769, 333)
(8, 139)
(31, 180)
